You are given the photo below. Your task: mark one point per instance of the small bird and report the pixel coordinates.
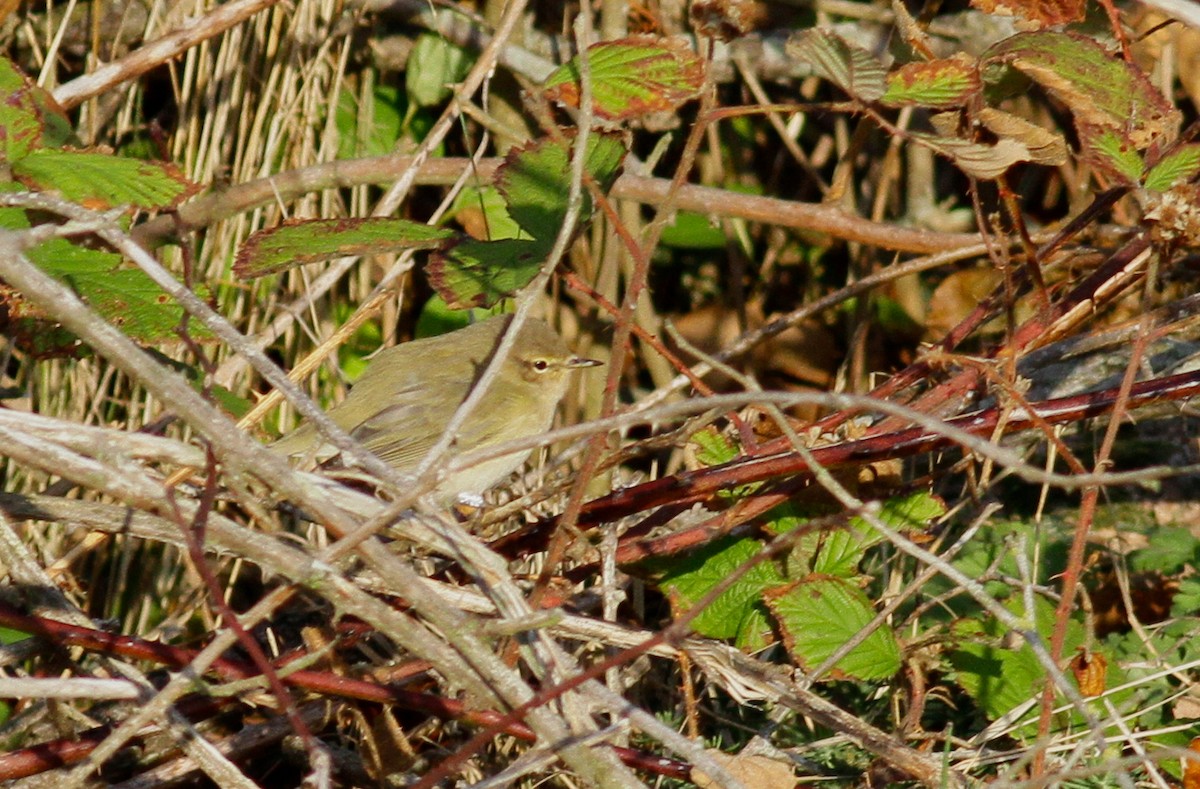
(408, 394)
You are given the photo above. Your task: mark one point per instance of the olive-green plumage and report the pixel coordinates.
(406, 397)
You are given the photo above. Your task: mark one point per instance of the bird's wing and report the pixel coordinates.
(401, 434)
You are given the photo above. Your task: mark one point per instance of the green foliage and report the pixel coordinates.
(32, 133)
(818, 614)
(936, 84)
(433, 66)
(371, 130)
(467, 272)
(99, 180)
(738, 612)
(631, 77)
(535, 184)
(1174, 168)
(277, 249)
(816, 600)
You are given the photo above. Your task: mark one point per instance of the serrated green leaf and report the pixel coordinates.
(433, 66)
(1187, 598)
(100, 181)
(730, 614)
(849, 66)
(535, 181)
(1003, 677)
(1175, 168)
(126, 297)
(998, 679)
(713, 448)
(297, 243)
(819, 614)
(838, 552)
(1100, 87)
(631, 77)
(123, 295)
(1170, 549)
(1111, 152)
(937, 84)
(913, 511)
(471, 273)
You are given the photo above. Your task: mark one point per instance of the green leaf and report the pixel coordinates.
(819, 614)
(1111, 152)
(849, 66)
(712, 448)
(838, 552)
(536, 180)
(1100, 87)
(370, 128)
(124, 296)
(471, 273)
(914, 511)
(437, 318)
(483, 213)
(433, 66)
(100, 181)
(692, 230)
(1170, 550)
(631, 77)
(1001, 677)
(1174, 168)
(733, 613)
(998, 679)
(937, 84)
(1187, 599)
(20, 118)
(10, 636)
(535, 183)
(299, 242)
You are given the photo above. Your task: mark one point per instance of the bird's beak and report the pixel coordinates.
(579, 361)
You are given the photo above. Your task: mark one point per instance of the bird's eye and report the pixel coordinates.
(541, 365)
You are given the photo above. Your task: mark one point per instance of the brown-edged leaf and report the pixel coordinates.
(631, 77)
(1100, 88)
(938, 84)
(470, 273)
(296, 243)
(1111, 153)
(102, 180)
(820, 613)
